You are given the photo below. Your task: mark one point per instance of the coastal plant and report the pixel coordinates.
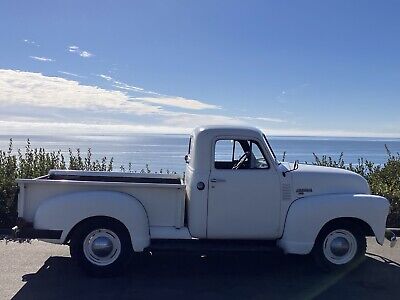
(35, 162)
(384, 180)
(31, 162)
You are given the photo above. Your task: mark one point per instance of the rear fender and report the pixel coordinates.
(63, 212)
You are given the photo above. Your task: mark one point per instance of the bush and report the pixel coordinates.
(384, 180)
(33, 163)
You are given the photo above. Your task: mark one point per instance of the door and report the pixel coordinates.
(244, 192)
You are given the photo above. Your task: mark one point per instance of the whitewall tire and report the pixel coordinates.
(339, 245)
(101, 246)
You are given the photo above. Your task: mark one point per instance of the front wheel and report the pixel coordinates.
(339, 246)
(101, 247)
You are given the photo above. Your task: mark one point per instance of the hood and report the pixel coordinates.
(313, 180)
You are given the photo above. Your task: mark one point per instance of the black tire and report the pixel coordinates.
(104, 228)
(327, 259)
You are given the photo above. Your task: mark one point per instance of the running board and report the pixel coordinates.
(30, 233)
(205, 245)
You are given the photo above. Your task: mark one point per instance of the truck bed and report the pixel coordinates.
(162, 195)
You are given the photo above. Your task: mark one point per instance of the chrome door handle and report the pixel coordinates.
(217, 180)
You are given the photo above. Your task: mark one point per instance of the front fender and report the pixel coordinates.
(307, 216)
(63, 212)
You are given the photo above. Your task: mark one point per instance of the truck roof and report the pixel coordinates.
(226, 129)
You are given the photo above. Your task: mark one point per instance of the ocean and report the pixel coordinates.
(167, 151)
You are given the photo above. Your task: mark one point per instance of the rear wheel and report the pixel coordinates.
(339, 246)
(101, 247)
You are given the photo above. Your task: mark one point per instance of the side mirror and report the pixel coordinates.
(295, 167)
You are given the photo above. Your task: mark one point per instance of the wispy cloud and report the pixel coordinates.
(108, 78)
(177, 102)
(123, 86)
(75, 128)
(40, 58)
(35, 89)
(71, 74)
(30, 42)
(58, 103)
(77, 50)
(191, 120)
(73, 48)
(160, 99)
(265, 119)
(85, 54)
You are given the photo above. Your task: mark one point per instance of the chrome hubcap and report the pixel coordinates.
(102, 247)
(340, 247)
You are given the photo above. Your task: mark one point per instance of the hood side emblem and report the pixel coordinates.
(303, 190)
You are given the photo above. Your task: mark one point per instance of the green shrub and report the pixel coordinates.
(384, 180)
(32, 163)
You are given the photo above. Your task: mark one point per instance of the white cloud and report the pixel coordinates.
(73, 48)
(71, 74)
(81, 53)
(265, 119)
(189, 120)
(160, 99)
(35, 89)
(40, 127)
(127, 87)
(39, 58)
(123, 86)
(32, 103)
(35, 103)
(108, 78)
(85, 54)
(30, 42)
(76, 127)
(178, 102)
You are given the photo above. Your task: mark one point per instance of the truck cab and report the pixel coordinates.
(233, 185)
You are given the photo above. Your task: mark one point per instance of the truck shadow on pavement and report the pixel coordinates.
(233, 276)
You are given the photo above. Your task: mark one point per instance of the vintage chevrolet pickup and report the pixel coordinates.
(235, 195)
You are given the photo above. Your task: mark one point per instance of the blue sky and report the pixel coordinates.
(289, 67)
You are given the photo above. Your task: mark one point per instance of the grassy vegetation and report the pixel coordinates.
(33, 162)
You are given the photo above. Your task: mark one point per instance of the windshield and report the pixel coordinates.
(270, 149)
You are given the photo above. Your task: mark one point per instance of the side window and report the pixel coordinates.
(239, 154)
(224, 151)
(237, 151)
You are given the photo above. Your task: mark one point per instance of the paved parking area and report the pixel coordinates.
(43, 271)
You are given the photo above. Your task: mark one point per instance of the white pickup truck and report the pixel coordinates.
(235, 196)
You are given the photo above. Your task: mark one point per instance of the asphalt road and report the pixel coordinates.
(43, 271)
